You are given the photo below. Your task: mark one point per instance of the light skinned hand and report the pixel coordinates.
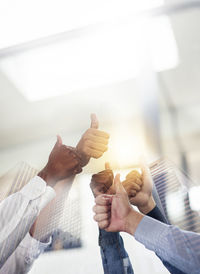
(102, 182)
(93, 142)
(144, 199)
(133, 184)
(114, 212)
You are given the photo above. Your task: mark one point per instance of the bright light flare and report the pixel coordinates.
(108, 54)
(194, 196)
(175, 205)
(127, 146)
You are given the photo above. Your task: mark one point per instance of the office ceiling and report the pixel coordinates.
(22, 121)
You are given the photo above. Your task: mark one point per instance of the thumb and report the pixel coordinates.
(94, 121)
(58, 142)
(144, 166)
(119, 189)
(107, 165)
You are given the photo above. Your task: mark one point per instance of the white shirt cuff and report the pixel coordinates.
(32, 248)
(34, 188)
(37, 187)
(46, 197)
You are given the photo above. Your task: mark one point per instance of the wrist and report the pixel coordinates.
(133, 220)
(32, 230)
(147, 207)
(84, 157)
(47, 177)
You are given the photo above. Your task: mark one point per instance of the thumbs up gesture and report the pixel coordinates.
(133, 184)
(63, 162)
(113, 212)
(93, 142)
(101, 183)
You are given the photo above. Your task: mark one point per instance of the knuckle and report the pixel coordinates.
(105, 149)
(105, 223)
(98, 199)
(94, 208)
(98, 155)
(104, 209)
(95, 217)
(106, 141)
(102, 225)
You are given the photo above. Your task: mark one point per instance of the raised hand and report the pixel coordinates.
(114, 212)
(101, 183)
(144, 199)
(93, 143)
(133, 185)
(63, 162)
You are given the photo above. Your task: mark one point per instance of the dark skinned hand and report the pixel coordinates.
(63, 163)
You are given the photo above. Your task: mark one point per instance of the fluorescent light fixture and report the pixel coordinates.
(86, 61)
(22, 20)
(110, 54)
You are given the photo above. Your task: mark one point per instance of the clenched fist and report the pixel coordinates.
(101, 183)
(93, 143)
(144, 199)
(133, 184)
(63, 162)
(114, 212)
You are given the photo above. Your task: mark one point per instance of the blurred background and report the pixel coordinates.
(135, 64)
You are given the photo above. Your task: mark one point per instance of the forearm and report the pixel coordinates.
(50, 215)
(157, 215)
(26, 253)
(18, 212)
(174, 246)
(114, 256)
(11, 241)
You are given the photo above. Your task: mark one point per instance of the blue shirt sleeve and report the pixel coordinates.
(177, 247)
(156, 214)
(114, 256)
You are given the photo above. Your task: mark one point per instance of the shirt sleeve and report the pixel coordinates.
(113, 254)
(18, 212)
(23, 257)
(157, 215)
(175, 246)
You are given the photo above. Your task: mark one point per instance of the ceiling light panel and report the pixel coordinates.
(88, 59)
(22, 21)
